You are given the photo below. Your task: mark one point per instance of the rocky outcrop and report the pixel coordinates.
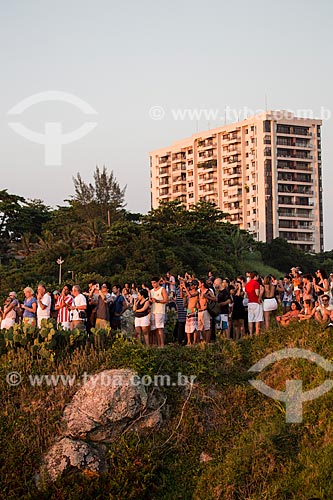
(108, 404)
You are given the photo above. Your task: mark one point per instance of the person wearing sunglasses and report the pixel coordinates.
(323, 309)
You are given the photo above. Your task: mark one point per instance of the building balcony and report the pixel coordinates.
(293, 144)
(164, 182)
(178, 157)
(164, 171)
(293, 130)
(232, 138)
(292, 215)
(296, 156)
(294, 178)
(296, 227)
(231, 152)
(300, 239)
(179, 180)
(207, 155)
(207, 164)
(179, 188)
(233, 211)
(297, 189)
(208, 179)
(207, 145)
(294, 204)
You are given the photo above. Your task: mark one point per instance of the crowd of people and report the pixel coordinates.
(203, 306)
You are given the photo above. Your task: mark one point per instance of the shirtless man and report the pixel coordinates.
(191, 303)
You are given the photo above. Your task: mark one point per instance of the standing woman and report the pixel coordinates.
(288, 294)
(320, 283)
(270, 303)
(30, 309)
(8, 314)
(238, 312)
(141, 315)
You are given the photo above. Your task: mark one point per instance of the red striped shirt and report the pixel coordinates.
(63, 312)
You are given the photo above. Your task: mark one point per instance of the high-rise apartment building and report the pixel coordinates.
(264, 172)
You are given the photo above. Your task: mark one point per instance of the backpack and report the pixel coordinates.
(19, 313)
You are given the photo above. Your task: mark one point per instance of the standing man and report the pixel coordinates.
(171, 283)
(181, 317)
(255, 310)
(43, 304)
(78, 309)
(223, 299)
(102, 309)
(117, 308)
(158, 299)
(63, 305)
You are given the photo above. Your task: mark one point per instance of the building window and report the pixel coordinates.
(267, 126)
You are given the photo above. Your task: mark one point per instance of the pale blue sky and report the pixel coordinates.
(124, 58)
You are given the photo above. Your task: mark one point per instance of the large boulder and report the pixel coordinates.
(68, 454)
(108, 404)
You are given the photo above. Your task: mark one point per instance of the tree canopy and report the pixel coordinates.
(95, 235)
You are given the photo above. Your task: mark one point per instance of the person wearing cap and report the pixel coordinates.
(8, 311)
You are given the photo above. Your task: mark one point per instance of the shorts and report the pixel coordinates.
(142, 322)
(203, 320)
(270, 304)
(157, 320)
(286, 303)
(222, 321)
(102, 323)
(255, 313)
(29, 323)
(191, 324)
(7, 323)
(66, 325)
(42, 320)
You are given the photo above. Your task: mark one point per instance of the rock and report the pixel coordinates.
(106, 405)
(67, 454)
(204, 457)
(109, 403)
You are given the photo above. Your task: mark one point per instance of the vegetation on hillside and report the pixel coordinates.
(253, 454)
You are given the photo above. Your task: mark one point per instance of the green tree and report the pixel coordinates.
(103, 199)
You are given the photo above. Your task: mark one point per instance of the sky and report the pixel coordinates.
(135, 63)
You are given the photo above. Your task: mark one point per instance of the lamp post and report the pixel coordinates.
(71, 272)
(60, 261)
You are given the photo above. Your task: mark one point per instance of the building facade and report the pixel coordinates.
(264, 172)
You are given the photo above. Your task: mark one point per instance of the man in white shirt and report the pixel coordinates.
(43, 305)
(158, 299)
(171, 282)
(78, 309)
